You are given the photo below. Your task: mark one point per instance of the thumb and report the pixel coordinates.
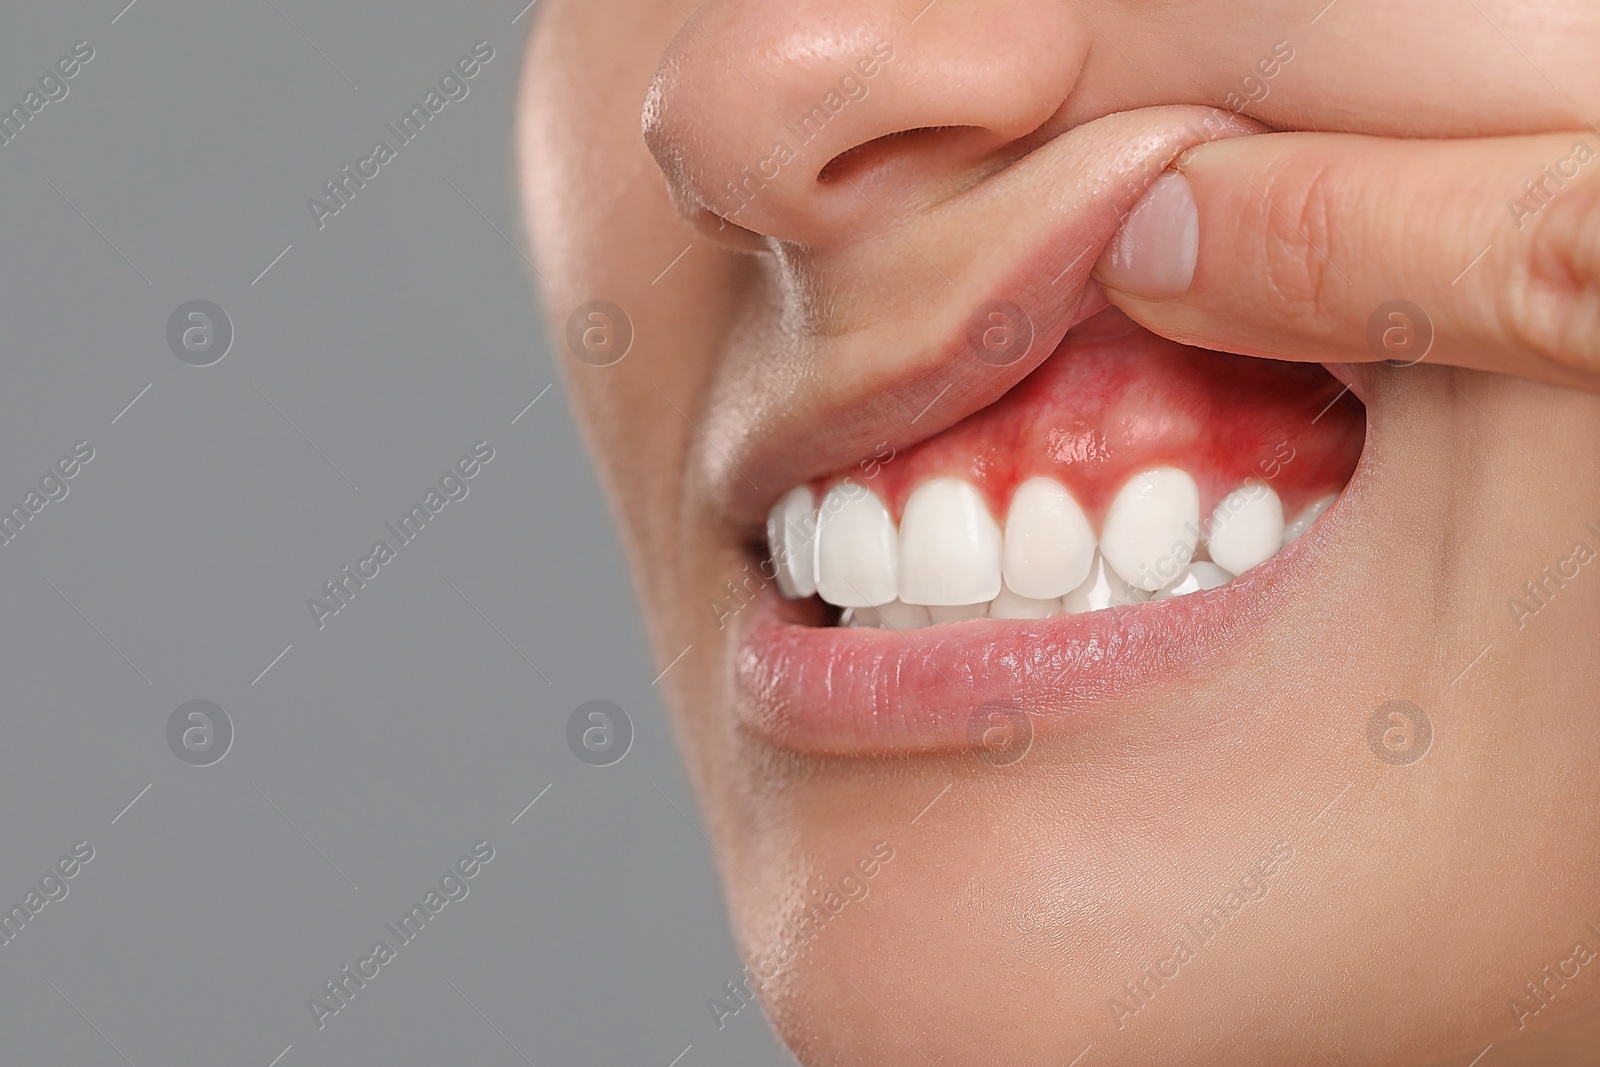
(1343, 248)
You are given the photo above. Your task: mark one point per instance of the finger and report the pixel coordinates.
(1342, 248)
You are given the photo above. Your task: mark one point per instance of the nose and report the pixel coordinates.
(816, 120)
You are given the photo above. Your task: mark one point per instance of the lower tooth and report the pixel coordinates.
(1307, 516)
(957, 612)
(1200, 575)
(1104, 588)
(898, 615)
(1010, 605)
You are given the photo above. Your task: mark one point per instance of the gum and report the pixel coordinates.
(1114, 399)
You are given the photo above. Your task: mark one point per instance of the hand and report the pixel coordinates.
(1299, 246)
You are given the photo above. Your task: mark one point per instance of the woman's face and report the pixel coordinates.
(1341, 809)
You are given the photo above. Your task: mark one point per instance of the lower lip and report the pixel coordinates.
(837, 691)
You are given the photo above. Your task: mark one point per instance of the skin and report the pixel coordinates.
(1419, 898)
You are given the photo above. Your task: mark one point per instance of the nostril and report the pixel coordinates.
(915, 154)
(768, 121)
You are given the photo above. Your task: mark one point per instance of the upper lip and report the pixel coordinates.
(853, 364)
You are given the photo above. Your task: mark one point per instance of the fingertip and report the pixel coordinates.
(1152, 256)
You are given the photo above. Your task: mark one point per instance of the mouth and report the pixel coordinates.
(1113, 514)
(1124, 509)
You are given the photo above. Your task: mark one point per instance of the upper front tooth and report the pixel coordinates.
(1048, 545)
(791, 524)
(1307, 516)
(1152, 527)
(1246, 528)
(858, 551)
(949, 546)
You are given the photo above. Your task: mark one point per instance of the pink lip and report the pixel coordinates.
(860, 692)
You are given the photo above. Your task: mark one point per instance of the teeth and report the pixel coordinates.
(858, 551)
(1013, 605)
(860, 618)
(898, 615)
(949, 546)
(1246, 528)
(1151, 529)
(957, 612)
(949, 562)
(1048, 543)
(891, 616)
(1197, 576)
(1102, 589)
(1306, 517)
(790, 527)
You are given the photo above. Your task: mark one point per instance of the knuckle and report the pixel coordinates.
(1298, 233)
(1550, 303)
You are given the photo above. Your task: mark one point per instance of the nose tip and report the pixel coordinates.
(813, 121)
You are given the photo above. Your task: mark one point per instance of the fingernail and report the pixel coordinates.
(1152, 257)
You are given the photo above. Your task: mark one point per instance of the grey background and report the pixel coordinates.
(375, 751)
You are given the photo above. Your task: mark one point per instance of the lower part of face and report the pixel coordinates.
(1053, 690)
